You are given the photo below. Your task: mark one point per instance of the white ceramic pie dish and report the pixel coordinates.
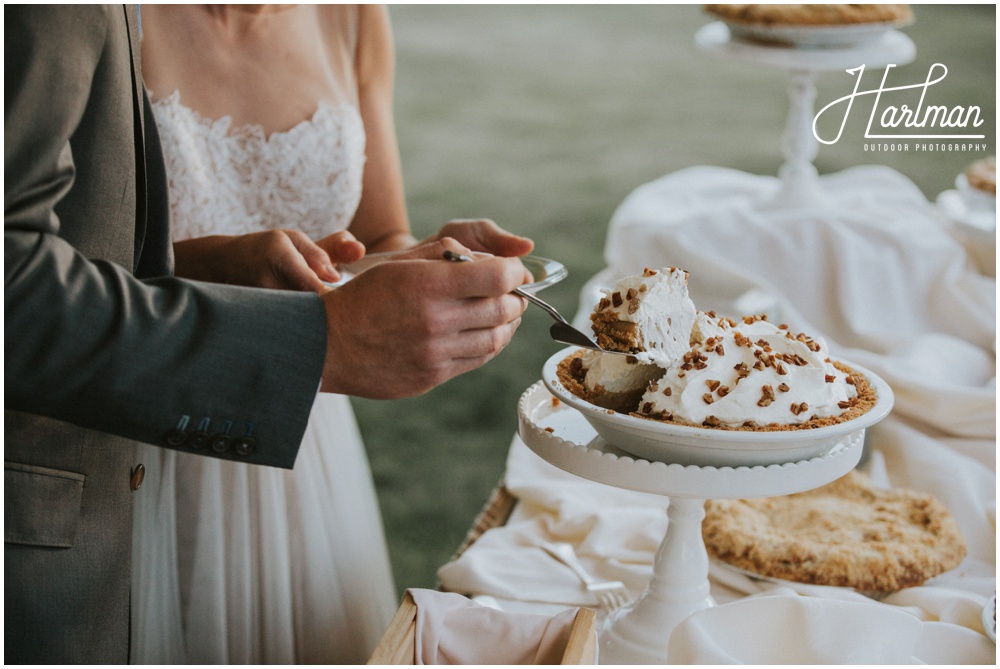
(658, 441)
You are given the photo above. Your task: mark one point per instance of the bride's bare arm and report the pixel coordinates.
(381, 222)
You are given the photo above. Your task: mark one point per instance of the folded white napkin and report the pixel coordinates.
(451, 629)
(881, 279)
(781, 629)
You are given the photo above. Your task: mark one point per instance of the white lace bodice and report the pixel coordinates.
(232, 181)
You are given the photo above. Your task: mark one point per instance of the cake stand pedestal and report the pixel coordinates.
(640, 632)
(799, 178)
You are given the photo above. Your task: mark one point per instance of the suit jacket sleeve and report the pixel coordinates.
(87, 342)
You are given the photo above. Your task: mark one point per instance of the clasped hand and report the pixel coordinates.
(402, 326)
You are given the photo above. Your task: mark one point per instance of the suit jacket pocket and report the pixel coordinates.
(41, 505)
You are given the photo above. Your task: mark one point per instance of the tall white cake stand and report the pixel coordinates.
(640, 633)
(799, 178)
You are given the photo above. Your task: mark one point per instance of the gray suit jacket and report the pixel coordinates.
(102, 347)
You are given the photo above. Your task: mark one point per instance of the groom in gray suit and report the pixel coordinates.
(104, 348)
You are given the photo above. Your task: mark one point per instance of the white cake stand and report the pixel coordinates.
(799, 178)
(639, 633)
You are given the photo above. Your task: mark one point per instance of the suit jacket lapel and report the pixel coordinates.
(132, 24)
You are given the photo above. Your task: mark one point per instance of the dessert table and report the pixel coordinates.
(876, 272)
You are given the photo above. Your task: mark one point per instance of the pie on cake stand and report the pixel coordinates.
(569, 438)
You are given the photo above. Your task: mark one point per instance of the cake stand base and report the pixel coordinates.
(640, 633)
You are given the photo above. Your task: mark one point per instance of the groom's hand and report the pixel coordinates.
(403, 327)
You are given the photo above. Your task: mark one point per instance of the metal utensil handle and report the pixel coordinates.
(541, 303)
(458, 257)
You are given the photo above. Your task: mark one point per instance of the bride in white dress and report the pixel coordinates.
(273, 566)
(273, 117)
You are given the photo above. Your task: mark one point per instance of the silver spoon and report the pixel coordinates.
(561, 330)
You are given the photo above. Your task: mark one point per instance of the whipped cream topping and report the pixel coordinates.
(751, 372)
(657, 303)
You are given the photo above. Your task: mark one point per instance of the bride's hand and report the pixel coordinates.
(281, 259)
(485, 236)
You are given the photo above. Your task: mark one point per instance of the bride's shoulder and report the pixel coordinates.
(354, 25)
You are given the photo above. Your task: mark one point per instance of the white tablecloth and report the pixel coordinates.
(879, 277)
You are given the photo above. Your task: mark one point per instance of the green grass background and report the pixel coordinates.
(544, 118)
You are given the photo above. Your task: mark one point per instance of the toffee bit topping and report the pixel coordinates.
(647, 407)
(643, 288)
(549, 429)
(723, 391)
(616, 299)
(750, 423)
(830, 378)
(686, 366)
(653, 386)
(783, 387)
(850, 380)
(712, 384)
(649, 272)
(633, 306)
(844, 404)
(707, 397)
(603, 304)
(710, 314)
(781, 369)
(630, 294)
(799, 408)
(556, 401)
(759, 366)
(719, 349)
(767, 396)
(710, 342)
(576, 366)
(783, 326)
(668, 391)
(711, 421)
(700, 365)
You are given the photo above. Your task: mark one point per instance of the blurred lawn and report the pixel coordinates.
(544, 118)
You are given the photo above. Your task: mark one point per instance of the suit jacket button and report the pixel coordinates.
(176, 437)
(245, 446)
(220, 443)
(138, 474)
(199, 440)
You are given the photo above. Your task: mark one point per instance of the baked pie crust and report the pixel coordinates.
(849, 533)
(982, 175)
(811, 15)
